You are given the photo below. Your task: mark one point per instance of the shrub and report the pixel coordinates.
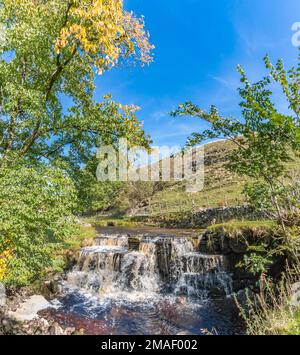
(36, 206)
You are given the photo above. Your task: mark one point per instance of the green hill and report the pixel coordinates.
(169, 200)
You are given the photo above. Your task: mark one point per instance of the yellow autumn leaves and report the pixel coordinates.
(103, 32)
(4, 260)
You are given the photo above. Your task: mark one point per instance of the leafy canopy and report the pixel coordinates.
(49, 56)
(265, 140)
(51, 120)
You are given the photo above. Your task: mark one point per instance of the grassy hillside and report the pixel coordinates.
(221, 188)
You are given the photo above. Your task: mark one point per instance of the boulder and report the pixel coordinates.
(55, 329)
(238, 246)
(51, 289)
(29, 309)
(7, 325)
(295, 299)
(2, 295)
(70, 331)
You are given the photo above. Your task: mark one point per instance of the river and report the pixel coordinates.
(148, 282)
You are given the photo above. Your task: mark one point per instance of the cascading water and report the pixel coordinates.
(203, 276)
(145, 284)
(160, 263)
(110, 267)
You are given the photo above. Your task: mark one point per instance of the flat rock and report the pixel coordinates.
(185, 333)
(30, 308)
(2, 295)
(295, 301)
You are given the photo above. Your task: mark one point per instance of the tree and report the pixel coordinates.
(51, 52)
(35, 215)
(50, 122)
(265, 139)
(94, 196)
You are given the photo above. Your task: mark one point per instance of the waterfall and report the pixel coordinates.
(117, 240)
(155, 264)
(203, 276)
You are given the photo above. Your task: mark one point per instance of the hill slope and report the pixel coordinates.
(221, 188)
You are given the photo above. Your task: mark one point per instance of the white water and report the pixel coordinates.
(109, 269)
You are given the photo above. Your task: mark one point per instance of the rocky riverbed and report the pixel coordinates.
(20, 313)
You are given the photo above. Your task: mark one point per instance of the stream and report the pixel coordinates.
(148, 283)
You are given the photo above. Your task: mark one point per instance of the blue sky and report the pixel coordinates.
(198, 44)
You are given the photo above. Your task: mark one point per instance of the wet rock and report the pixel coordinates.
(71, 258)
(185, 333)
(7, 325)
(2, 295)
(46, 290)
(238, 246)
(55, 329)
(87, 242)
(70, 331)
(295, 299)
(29, 309)
(51, 289)
(216, 292)
(134, 243)
(244, 298)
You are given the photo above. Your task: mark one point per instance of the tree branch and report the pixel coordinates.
(55, 75)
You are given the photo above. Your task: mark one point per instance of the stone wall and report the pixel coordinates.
(224, 214)
(207, 217)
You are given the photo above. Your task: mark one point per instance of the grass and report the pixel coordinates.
(271, 312)
(221, 187)
(235, 226)
(125, 222)
(293, 326)
(81, 236)
(177, 200)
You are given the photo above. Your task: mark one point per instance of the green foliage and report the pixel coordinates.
(258, 195)
(271, 312)
(49, 57)
(35, 216)
(242, 226)
(293, 326)
(94, 196)
(35, 77)
(123, 222)
(136, 194)
(265, 139)
(255, 263)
